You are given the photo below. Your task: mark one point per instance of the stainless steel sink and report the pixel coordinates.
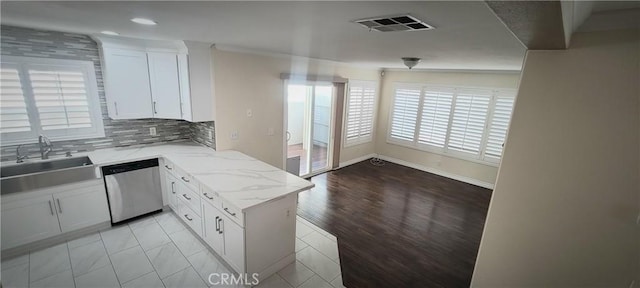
(35, 175)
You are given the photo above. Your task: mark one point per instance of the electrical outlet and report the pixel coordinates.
(249, 113)
(210, 133)
(234, 135)
(152, 131)
(270, 132)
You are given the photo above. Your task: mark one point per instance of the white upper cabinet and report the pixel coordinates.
(196, 70)
(127, 84)
(157, 79)
(165, 87)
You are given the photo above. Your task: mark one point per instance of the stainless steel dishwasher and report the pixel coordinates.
(133, 189)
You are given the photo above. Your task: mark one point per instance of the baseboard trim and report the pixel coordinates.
(356, 160)
(54, 240)
(437, 172)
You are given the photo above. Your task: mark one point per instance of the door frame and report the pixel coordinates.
(332, 125)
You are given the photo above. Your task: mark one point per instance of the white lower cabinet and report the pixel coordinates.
(28, 220)
(233, 243)
(211, 232)
(224, 236)
(171, 191)
(81, 207)
(35, 215)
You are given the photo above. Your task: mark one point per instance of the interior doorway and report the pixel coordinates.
(310, 127)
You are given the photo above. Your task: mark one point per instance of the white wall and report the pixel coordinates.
(567, 196)
(449, 165)
(250, 81)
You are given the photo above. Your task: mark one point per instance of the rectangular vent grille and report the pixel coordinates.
(395, 23)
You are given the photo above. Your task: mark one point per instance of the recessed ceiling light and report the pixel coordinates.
(144, 21)
(110, 33)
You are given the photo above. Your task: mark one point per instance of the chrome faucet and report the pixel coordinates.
(20, 158)
(45, 146)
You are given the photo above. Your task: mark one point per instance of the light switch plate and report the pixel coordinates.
(234, 135)
(152, 131)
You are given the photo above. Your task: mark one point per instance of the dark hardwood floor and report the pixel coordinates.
(397, 226)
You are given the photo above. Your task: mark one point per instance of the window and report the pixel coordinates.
(361, 102)
(52, 97)
(469, 123)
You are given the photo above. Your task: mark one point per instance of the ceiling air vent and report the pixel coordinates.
(395, 23)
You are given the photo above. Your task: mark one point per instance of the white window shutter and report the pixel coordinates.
(436, 110)
(13, 109)
(361, 102)
(469, 120)
(498, 125)
(61, 99)
(405, 113)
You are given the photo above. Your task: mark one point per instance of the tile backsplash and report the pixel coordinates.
(17, 41)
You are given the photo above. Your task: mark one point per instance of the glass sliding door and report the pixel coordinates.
(309, 128)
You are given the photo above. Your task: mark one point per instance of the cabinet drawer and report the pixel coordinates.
(186, 179)
(233, 213)
(211, 197)
(190, 217)
(189, 197)
(168, 166)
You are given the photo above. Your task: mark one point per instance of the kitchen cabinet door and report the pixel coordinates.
(170, 183)
(165, 87)
(211, 232)
(233, 243)
(82, 207)
(25, 221)
(127, 84)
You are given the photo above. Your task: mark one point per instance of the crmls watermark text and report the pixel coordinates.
(232, 279)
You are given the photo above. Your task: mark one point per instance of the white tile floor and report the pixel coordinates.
(159, 251)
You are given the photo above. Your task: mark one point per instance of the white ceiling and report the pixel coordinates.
(468, 34)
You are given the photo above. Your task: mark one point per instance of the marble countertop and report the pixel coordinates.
(243, 181)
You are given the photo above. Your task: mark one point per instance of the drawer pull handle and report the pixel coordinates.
(186, 197)
(220, 225)
(51, 207)
(217, 224)
(59, 206)
(185, 179)
(207, 195)
(227, 210)
(173, 187)
(187, 216)
(168, 168)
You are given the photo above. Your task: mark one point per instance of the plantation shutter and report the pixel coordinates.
(13, 109)
(498, 125)
(61, 99)
(405, 113)
(436, 110)
(469, 119)
(360, 111)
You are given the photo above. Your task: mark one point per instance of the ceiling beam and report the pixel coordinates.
(537, 24)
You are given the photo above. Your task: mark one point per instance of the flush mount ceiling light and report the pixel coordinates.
(410, 62)
(144, 21)
(106, 32)
(404, 22)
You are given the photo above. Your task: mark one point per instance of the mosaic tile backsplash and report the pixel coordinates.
(17, 41)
